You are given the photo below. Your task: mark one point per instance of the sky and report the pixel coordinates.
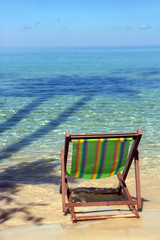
(79, 23)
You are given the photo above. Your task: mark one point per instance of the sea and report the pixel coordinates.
(47, 91)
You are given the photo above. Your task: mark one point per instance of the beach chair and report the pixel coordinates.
(96, 156)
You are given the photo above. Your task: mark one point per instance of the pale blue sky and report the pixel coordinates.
(45, 23)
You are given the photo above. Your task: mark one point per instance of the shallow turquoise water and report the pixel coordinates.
(46, 91)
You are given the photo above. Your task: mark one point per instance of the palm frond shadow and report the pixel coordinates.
(8, 191)
(7, 214)
(40, 171)
(44, 171)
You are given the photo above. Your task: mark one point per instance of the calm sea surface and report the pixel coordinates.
(46, 91)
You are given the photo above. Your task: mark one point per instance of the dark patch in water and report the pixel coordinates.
(139, 71)
(150, 72)
(64, 85)
(52, 125)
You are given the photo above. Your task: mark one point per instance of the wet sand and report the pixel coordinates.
(30, 211)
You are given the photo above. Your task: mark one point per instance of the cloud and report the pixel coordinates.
(64, 28)
(144, 26)
(27, 28)
(36, 23)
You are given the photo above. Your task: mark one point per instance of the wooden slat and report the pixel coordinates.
(132, 154)
(94, 190)
(111, 135)
(94, 204)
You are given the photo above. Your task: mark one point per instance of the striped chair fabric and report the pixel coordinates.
(98, 158)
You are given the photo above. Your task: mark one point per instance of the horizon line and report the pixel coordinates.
(78, 46)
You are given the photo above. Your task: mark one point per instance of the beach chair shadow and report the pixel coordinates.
(96, 156)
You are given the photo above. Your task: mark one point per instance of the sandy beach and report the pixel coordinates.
(34, 212)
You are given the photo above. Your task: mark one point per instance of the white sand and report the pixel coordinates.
(34, 212)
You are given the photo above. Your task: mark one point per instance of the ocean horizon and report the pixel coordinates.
(46, 91)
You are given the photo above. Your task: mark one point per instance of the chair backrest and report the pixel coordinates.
(98, 157)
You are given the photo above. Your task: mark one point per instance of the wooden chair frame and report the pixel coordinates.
(133, 154)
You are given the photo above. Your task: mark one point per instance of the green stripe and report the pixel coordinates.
(120, 159)
(82, 159)
(100, 169)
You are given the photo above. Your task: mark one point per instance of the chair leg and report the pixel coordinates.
(63, 197)
(137, 176)
(126, 192)
(71, 209)
(62, 184)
